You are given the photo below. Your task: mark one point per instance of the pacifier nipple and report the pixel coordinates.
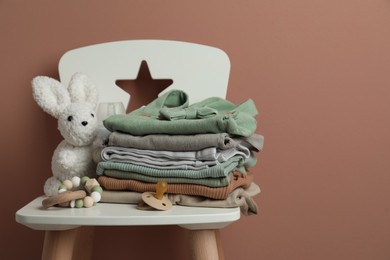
(161, 188)
(157, 200)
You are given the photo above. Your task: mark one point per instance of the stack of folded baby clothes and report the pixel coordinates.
(204, 152)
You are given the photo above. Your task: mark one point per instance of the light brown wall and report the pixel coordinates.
(318, 72)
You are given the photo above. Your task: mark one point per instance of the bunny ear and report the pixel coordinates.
(82, 89)
(50, 95)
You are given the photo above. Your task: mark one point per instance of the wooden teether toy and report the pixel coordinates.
(63, 198)
(70, 195)
(156, 200)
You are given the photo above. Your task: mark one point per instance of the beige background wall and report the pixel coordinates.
(319, 72)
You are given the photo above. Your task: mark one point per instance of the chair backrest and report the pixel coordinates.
(201, 71)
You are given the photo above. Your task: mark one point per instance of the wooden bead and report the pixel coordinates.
(83, 180)
(68, 184)
(76, 181)
(96, 196)
(62, 190)
(88, 202)
(90, 184)
(97, 189)
(79, 203)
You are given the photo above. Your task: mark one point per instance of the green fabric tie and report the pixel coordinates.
(187, 113)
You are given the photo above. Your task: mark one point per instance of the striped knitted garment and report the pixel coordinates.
(210, 182)
(173, 142)
(219, 170)
(237, 180)
(165, 142)
(240, 197)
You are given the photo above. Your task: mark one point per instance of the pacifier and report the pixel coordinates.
(156, 200)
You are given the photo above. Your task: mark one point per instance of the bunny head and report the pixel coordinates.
(74, 107)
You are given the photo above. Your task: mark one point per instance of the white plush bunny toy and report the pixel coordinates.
(74, 107)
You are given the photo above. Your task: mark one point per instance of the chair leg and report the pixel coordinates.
(219, 244)
(69, 244)
(203, 245)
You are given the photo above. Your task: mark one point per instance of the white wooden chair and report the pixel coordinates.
(201, 71)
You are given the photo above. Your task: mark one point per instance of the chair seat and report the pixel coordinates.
(110, 214)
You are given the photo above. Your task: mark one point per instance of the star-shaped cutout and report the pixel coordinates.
(144, 88)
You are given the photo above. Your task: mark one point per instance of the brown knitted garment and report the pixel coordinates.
(237, 180)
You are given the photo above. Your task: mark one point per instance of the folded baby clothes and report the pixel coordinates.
(203, 151)
(167, 142)
(237, 180)
(173, 159)
(240, 197)
(233, 119)
(209, 182)
(219, 170)
(172, 142)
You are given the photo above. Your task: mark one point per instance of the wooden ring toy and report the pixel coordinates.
(63, 197)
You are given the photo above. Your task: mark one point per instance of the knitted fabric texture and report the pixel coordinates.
(184, 142)
(237, 180)
(240, 197)
(209, 182)
(233, 119)
(219, 170)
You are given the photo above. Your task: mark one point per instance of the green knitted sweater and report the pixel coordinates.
(172, 114)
